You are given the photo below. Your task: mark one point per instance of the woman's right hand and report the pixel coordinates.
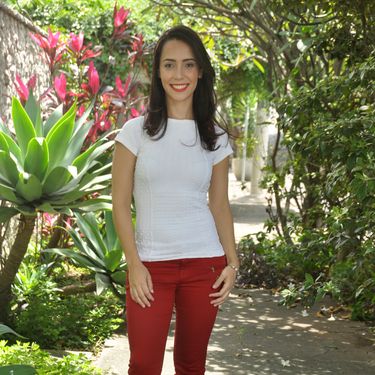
(140, 285)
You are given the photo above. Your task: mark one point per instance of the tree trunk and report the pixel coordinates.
(12, 264)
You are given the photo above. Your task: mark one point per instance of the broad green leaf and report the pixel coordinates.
(83, 118)
(36, 159)
(85, 249)
(23, 125)
(119, 277)
(33, 110)
(58, 178)
(76, 143)
(5, 214)
(113, 259)
(7, 193)
(29, 187)
(5, 329)
(102, 282)
(58, 139)
(92, 207)
(89, 227)
(61, 120)
(110, 231)
(52, 120)
(3, 143)
(79, 259)
(8, 168)
(12, 146)
(47, 207)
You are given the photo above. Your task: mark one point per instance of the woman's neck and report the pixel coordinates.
(180, 111)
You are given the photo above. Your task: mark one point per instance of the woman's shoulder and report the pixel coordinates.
(136, 122)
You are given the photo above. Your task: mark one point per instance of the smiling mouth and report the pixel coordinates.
(180, 88)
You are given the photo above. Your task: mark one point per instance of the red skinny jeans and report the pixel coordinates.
(185, 284)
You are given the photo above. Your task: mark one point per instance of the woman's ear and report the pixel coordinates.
(200, 73)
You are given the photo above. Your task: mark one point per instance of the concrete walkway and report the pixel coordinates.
(254, 335)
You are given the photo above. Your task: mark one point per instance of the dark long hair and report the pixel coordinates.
(204, 97)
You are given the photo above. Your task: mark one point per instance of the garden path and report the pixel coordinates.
(256, 336)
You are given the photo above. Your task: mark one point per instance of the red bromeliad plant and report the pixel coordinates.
(74, 76)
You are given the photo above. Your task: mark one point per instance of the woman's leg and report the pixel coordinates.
(195, 316)
(148, 327)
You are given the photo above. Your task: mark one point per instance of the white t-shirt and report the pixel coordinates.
(171, 181)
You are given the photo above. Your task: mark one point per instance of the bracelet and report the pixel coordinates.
(233, 267)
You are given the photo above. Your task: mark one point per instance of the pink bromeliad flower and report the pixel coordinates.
(23, 90)
(76, 42)
(120, 18)
(93, 80)
(53, 49)
(80, 51)
(60, 86)
(123, 89)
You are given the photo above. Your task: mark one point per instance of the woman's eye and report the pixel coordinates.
(167, 66)
(190, 65)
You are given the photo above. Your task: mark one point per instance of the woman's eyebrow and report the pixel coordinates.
(184, 60)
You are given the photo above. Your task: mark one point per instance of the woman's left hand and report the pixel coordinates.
(227, 280)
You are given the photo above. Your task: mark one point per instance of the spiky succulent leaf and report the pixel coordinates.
(32, 108)
(23, 125)
(37, 158)
(8, 169)
(89, 227)
(12, 146)
(52, 119)
(9, 194)
(29, 187)
(58, 178)
(103, 282)
(58, 138)
(112, 259)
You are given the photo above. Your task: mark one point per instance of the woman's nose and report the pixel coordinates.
(178, 71)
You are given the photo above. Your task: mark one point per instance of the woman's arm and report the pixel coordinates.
(221, 212)
(122, 190)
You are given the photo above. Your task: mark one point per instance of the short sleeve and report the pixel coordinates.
(224, 150)
(130, 135)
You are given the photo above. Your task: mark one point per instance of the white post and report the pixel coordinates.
(261, 145)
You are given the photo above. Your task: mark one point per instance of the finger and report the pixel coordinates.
(143, 297)
(218, 282)
(219, 301)
(225, 289)
(135, 298)
(150, 288)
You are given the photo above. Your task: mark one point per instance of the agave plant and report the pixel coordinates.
(42, 168)
(97, 249)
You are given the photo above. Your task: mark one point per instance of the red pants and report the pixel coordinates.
(185, 284)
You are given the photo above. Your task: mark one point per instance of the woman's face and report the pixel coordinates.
(179, 73)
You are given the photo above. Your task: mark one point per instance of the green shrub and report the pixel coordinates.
(43, 362)
(75, 322)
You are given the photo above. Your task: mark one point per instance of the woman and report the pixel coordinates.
(182, 253)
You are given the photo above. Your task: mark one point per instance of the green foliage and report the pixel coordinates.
(31, 354)
(42, 164)
(329, 131)
(7, 330)
(98, 249)
(79, 321)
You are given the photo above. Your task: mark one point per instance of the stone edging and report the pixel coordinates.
(21, 19)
